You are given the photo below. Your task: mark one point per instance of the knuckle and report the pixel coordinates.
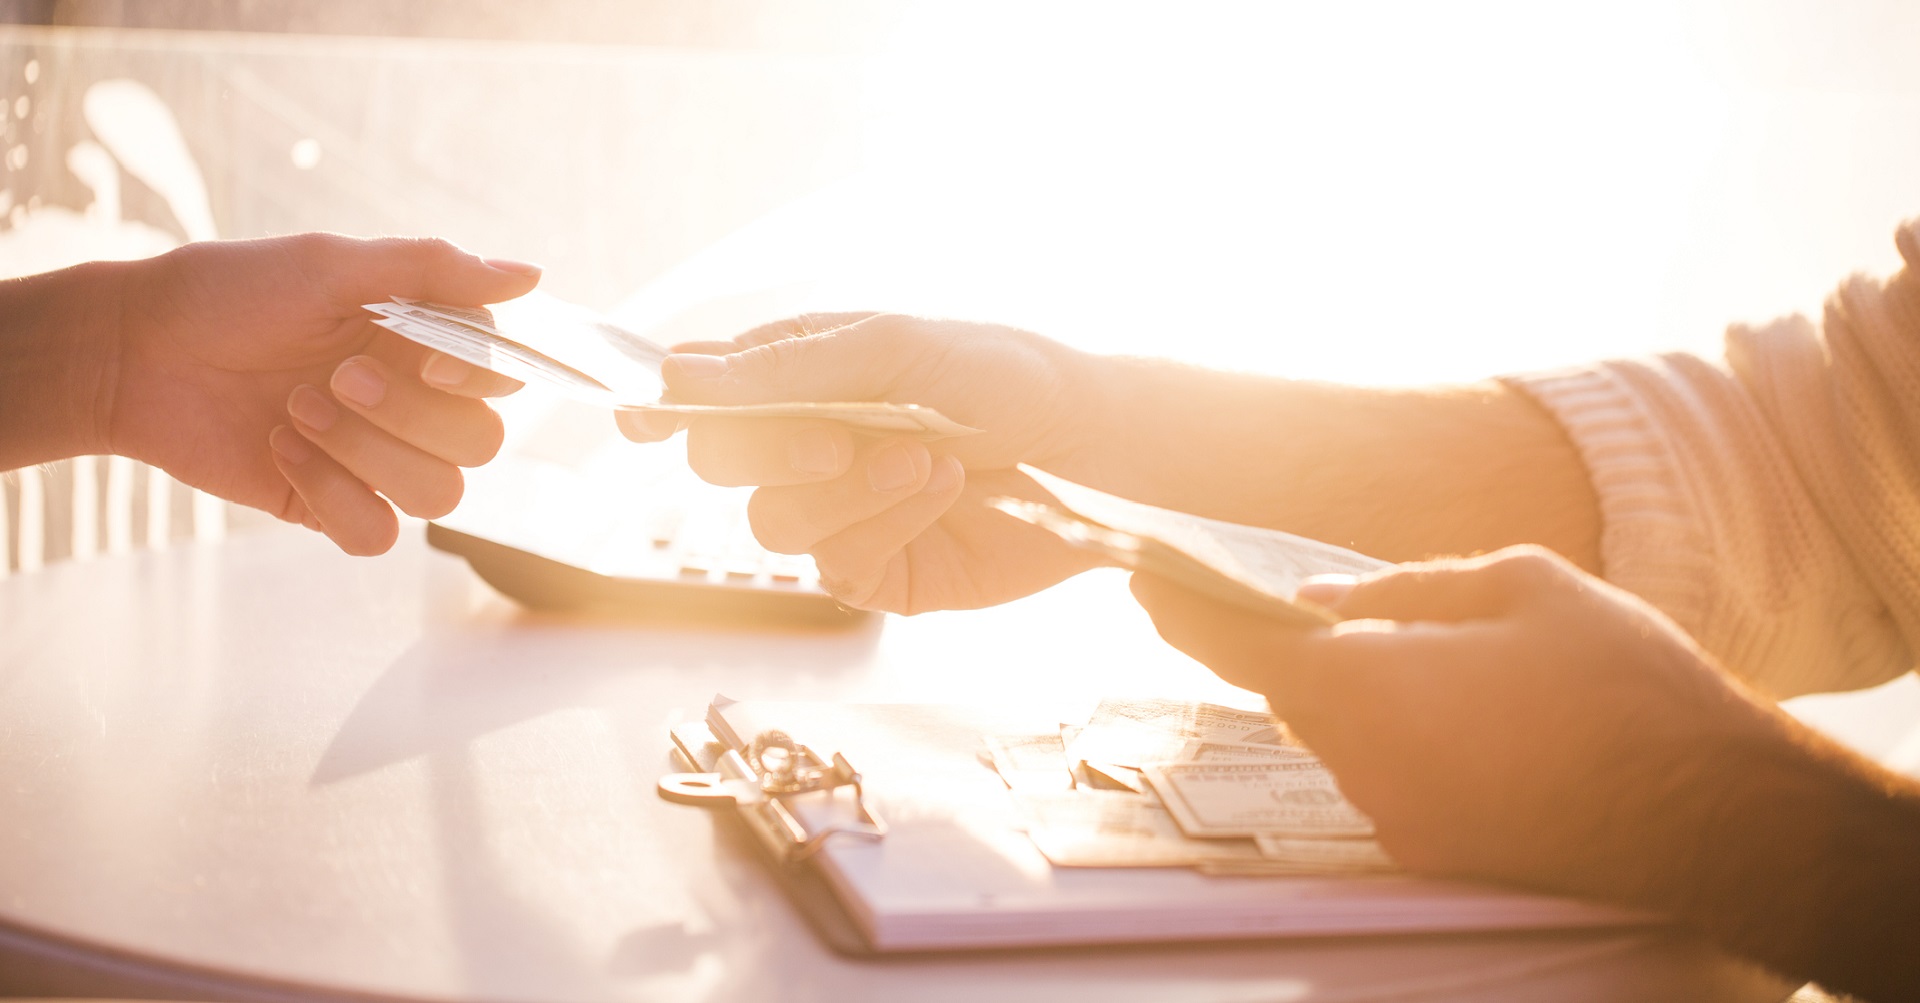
(430, 247)
(772, 360)
(891, 329)
(322, 246)
(1530, 564)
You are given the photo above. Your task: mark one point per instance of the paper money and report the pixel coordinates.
(1281, 798)
(1111, 777)
(1323, 856)
(1257, 822)
(1117, 829)
(1247, 566)
(1030, 762)
(1136, 732)
(543, 340)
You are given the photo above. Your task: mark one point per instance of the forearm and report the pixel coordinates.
(1808, 860)
(59, 332)
(1399, 474)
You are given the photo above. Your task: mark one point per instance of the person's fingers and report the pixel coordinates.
(1240, 646)
(1450, 590)
(447, 374)
(420, 483)
(648, 426)
(356, 270)
(705, 348)
(797, 326)
(768, 451)
(858, 361)
(865, 565)
(791, 519)
(333, 500)
(460, 430)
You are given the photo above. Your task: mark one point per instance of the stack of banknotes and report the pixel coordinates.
(1166, 783)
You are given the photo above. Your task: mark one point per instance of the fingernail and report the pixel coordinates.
(945, 476)
(315, 409)
(693, 367)
(814, 451)
(359, 383)
(649, 425)
(891, 468)
(290, 445)
(443, 370)
(516, 267)
(1327, 590)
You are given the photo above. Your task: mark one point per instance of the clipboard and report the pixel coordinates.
(923, 855)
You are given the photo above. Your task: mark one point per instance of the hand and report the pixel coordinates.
(249, 370)
(893, 524)
(1505, 717)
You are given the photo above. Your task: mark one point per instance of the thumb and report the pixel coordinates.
(364, 270)
(860, 361)
(1451, 590)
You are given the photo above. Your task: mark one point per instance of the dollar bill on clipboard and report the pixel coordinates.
(543, 340)
(1248, 566)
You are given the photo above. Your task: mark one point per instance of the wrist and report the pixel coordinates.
(1807, 864)
(1081, 423)
(1093, 433)
(57, 369)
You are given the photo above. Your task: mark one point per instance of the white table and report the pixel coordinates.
(261, 769)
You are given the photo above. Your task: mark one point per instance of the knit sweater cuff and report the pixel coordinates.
(1652, 540)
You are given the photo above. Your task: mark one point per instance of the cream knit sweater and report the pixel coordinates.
(1770, 504)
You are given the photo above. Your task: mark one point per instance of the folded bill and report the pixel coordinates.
(544, 340)
(1322, 856)
(1030, 762)
(1279, 798)
(1118, 829)
(1137, 731)
(1246, 566)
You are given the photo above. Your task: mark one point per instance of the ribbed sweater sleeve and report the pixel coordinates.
(1770, 503)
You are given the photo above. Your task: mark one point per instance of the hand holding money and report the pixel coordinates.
(894, 523)
(1509, 718)
(249, 370)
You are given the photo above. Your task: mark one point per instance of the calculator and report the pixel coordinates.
(571, 517)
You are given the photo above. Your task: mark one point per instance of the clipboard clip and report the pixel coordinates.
(761, 780)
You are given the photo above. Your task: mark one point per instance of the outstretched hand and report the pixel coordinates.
(893, 523)
(249, 370)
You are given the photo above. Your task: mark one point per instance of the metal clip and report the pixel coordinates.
(773, 769)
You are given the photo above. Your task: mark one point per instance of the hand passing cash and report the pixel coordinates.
(544, 340)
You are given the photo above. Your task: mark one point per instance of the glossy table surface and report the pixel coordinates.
(261, 769)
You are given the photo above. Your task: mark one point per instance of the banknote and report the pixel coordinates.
(1030, 762)
(1137, 731)
(1246, 566)
(543, 340)
(1111, 777)
(1281, 798)
(1118, 829)
(1322, 856)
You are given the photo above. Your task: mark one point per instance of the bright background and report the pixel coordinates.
(1369, 192)
(1378, 192)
